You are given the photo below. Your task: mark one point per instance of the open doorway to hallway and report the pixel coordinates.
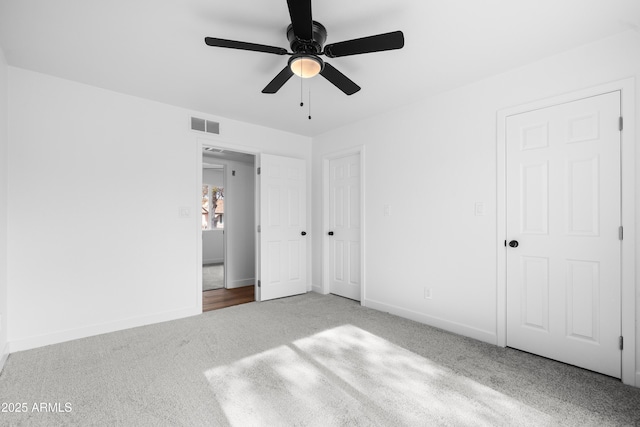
(228, 228)
(213, 220)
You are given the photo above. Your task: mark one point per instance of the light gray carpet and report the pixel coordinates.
(212, 276)
(307, 360)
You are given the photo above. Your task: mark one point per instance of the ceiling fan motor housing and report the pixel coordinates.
(314, 46)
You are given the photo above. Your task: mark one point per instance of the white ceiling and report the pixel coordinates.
(155, 49)
(210, 155)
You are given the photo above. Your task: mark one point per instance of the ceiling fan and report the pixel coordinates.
(306, 38)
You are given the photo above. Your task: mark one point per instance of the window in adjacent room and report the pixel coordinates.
(212, 207)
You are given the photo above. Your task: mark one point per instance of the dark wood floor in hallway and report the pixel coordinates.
(221, 298)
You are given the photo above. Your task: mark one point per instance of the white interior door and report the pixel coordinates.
(344, 227)
(563, 210)
(283, 227)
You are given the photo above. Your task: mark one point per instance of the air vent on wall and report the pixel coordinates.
(203, 125)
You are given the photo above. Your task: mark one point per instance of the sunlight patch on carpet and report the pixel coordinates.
(364, 379)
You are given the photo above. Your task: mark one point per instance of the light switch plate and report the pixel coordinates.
(480, 209)
(184, 212)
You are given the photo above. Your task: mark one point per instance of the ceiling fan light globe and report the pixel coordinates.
(305, 66)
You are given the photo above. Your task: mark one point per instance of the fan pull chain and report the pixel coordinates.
(301, 103)
(309, 102)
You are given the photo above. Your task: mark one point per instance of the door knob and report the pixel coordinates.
(330, 233)
(513, 243)
(304, 233)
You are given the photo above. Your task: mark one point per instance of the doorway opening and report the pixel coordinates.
(228, 224)
(213, 220)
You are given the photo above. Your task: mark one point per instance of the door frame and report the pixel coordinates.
(221, 143)
(628, 294)
(326, 214)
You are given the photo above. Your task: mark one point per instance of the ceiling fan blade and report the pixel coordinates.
(233, 44)
(278, 81)
(301, 21)
(339, 80)
(378, 43)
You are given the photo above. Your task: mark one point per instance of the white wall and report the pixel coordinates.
(431, 162)
(3, 206)
(212, 240)
(212, 176)
(96, 242)
(240, 224)
(212, 246)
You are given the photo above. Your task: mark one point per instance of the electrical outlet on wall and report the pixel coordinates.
(427, 293)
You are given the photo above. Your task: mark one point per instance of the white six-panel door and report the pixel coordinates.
(283, 227)
(563, 210)
(344, 224)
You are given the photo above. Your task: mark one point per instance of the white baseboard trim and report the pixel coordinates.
(447, 325)
(241, 283)
(89, 331)
(637, 384)
(213, 261)
(317, 289)
(3, 356)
